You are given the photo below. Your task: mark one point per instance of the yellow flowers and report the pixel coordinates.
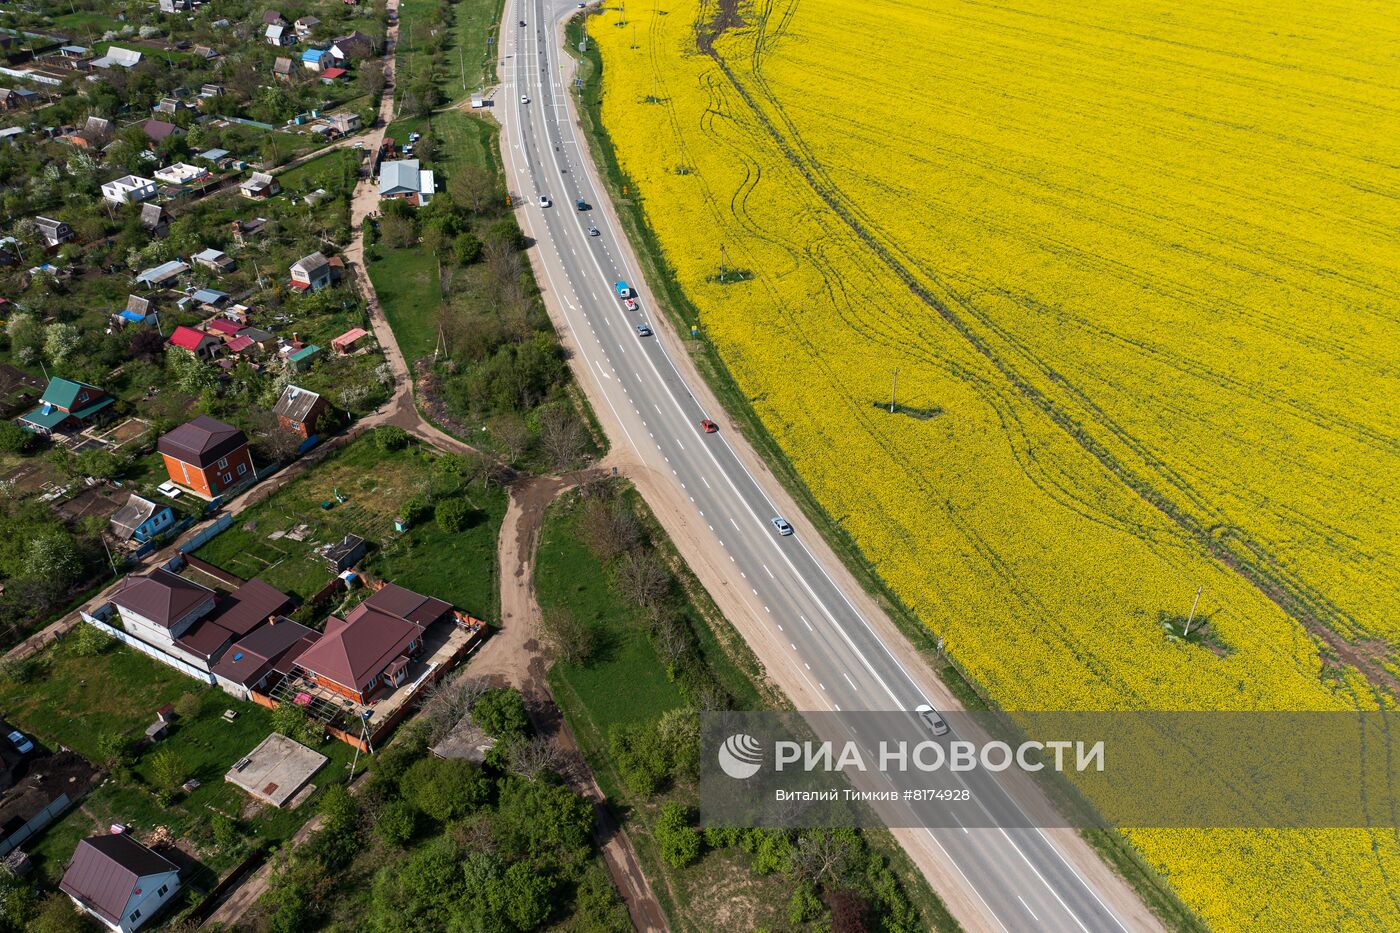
(1136, 266)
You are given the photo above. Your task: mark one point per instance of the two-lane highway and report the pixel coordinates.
(1019, 878)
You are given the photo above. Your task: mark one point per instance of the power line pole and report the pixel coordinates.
(893, 386)
(1192, 615)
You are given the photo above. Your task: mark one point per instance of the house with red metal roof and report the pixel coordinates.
(264, 656)
(346, 341)
(373, 646)
(202, 345)
(119, 881)
(206, 456)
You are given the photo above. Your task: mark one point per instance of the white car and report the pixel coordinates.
(782, 525)
(544, 200)
(630, 304)
(524, 98)
(936, 724)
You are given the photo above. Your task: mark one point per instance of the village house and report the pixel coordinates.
(312, 59)
(259, 187)
(140, 520)
(219, 158)
(311, 272)
(138, 311)
(404, 180)
(54, 232)
(176, 6)
(163, 275)
(206, 455)
(67, 406)
(306, 25)
(154, 221)
(373, 646)
(116, 57)
(263, 657)
(344, 122)
(128, 189)
(119, 882)
(204, 346)
(161, 607)
(158, 131)
(345, 343)
(215, 259)
(299, 410)
(354, 47)
(282, 68)
(210, 299)
(169, 105)
(273, 18)
(334, 75)
(279, 36)
(181, 173)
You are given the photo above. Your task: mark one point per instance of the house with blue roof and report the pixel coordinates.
(67, 406)
(315, 59)
(211, 297)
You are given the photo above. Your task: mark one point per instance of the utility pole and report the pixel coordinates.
(1192, 615)
(893, 386)
(723, 262)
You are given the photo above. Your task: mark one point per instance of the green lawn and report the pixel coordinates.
(406, 281)
(459, 567)
(76, 701)
(625, 682)
(337, 168)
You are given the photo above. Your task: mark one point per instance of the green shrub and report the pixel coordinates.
(452, 515)
(389, 438)
(680, 843)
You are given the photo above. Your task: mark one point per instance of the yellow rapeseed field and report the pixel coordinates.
(1138, 266)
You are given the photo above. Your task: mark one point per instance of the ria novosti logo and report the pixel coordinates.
(740, 756)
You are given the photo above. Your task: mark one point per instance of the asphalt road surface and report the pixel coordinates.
(1020, 878)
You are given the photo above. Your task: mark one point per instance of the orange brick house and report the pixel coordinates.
(206, 456)
(373, 646)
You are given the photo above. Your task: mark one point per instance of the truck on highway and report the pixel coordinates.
(623, 289)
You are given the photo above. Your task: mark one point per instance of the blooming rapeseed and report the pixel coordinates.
(1137, 268)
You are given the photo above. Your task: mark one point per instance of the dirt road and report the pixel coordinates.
(514, 657)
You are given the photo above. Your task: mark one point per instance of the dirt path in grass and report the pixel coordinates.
(515, 657)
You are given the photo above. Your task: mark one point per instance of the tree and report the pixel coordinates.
(825, 857)
(146, 344)
(291, 720)
(610, 528)
(17, 903)
(446, 702)
(398, 231)
(452, 514)
(501, 714)
(89, 641)
(397, 823)
(370, 76)
(466, 248)
(13, 438)
(643, 579)
(472, 188)
(60, 342)
(534, 758)
(542, 820)
(55, 915)
(848, 911)
(680, 843)
(510, 432)
(389, 438)
(168, 771)
(570, 638)
(53, 557)
(561, 436)
(114, 747)
(445, 788)
(522, 894)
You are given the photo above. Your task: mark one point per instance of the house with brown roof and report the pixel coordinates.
(373, 646)
(260, 659)
(254, 603)
(298, 410)
(353, 47)
(157, 131)
(206, 456)
(119, 881)
(161, 608)
(282, 68)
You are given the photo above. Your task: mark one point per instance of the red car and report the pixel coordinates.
(709, 426)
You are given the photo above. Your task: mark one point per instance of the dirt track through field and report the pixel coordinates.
(515, 657)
